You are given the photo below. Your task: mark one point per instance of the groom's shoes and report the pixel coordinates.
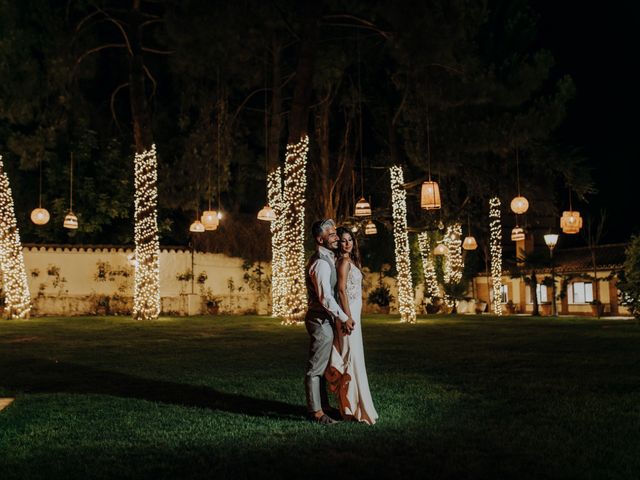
(324, 420)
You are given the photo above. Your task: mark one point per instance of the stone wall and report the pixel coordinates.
(90, 280)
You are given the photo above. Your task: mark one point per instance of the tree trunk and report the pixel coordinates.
(534, 293)
(275, 127)
(147, 279)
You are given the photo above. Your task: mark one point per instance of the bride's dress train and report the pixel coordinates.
(347, 373)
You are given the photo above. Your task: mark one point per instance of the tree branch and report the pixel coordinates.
(159, 52)
(97, 49)
(113, 101)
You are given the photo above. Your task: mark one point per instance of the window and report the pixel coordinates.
(504, 294)
(582, 292)
(541, 292)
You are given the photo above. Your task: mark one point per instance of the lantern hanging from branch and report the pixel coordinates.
(571, 222)
(266, 214)
(363, 208)
(517, 234)
(370, 228)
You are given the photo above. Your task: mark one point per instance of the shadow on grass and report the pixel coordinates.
(32, 375)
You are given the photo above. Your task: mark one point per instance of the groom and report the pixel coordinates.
(323, 309)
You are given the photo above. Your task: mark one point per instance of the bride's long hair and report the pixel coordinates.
(355, 252)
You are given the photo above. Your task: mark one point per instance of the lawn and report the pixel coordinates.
(215, 397)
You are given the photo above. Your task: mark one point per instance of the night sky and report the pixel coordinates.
(597, 45)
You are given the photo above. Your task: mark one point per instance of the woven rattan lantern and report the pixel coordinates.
(571, 222)
(469, 243)
(430, 196)
(517, 234)
(40, 216)
(363, 208)
(519, 205)
(70, 221)
(441, 249)
(267, 214)
(210, 220)
(196, 227)
(370, 228)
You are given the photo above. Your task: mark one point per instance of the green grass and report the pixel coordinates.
(458, 397)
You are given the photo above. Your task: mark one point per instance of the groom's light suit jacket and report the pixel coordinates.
(321, 280)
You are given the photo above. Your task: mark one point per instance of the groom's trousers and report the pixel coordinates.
(321, 339)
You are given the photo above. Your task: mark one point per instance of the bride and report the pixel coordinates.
(347, 374)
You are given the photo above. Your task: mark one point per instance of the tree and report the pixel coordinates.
(629, 279)
(527, 267)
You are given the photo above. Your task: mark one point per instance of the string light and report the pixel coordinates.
(295, 186)
(278, 284)
(403, 260)
(430, 279)
(17, 297)
(495, 245)
(454, 265)
(146, 294)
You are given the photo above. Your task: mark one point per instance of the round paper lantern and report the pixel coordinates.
(519, 205)
(40, 216)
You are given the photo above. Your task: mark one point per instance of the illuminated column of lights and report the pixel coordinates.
(495, 244)
(278, 287)
(146, 293)
(16, 288)
(453, 265)
(295, 187)
(403, 261)
(430, 280)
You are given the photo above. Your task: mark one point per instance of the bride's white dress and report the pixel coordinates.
(347, 374)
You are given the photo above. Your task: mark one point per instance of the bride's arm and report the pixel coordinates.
(343, 273)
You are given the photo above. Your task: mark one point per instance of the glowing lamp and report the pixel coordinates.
(571, 222)
(440, 250)
(469, 243)
(267, 214)
(517, 234)
(370, 228)
(430, 196)
(363, 209)
(197, 227)
(209, 220)
(519, 205)
(40, 216)
(70, 221)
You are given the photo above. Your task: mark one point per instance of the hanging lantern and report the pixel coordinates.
(219, 215)
(40, 216)
(370, 228)
(210, 220)
(363, 209)
(519, 205)
(441, 249)
(469, 243)
(267, 214)
(571, 222)
(354, 229)
(430, 196)
(70, 221)
(517, 234)
(197, 227)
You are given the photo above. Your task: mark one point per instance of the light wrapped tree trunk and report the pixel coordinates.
(495, 244)
(278, 282)
(401, 237)
(430, 280)
(14, 276)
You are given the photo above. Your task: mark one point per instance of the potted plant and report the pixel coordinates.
(597, 308)
(211, 302)
(382, 297)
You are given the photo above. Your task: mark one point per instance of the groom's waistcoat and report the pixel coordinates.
(314, 302)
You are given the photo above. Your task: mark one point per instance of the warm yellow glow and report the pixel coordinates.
(266, 214)
(210, 220)
(363, 209)
(495, 246)
(70, 221)
(295, 186)
(469, 243)
(146, 292)
(551, 239)
(454, 265)
(440, 249)
(517, 234)
(40, 216)
(519, 205)
(278, 244)
(370, 228)
(196, 227)
(571, 222)
(403, 259)
(430, 279)
(430, 196)
(14, 276)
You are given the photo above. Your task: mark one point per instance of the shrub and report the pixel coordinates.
(380, 296)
